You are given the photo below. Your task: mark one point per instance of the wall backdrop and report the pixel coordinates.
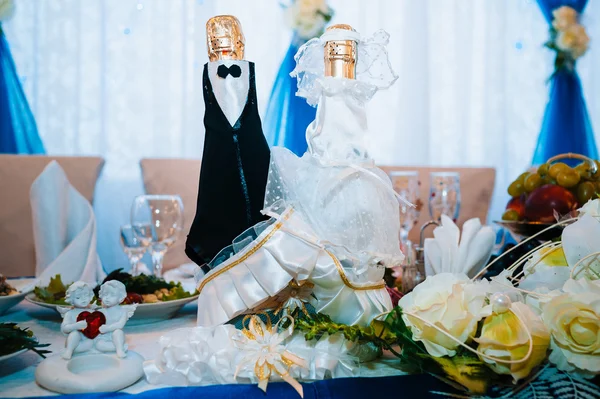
(122, 79)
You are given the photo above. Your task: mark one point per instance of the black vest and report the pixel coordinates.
(233, 176)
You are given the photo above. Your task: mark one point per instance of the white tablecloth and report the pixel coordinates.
(17, 374)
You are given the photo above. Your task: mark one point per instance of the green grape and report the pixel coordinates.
(522, 177)
(543, 169)
(549, 180)
(557, 168)
(516, 188)
(585, 191)
(511, 214)
(584, 171)
(532, 182)
(568, 178)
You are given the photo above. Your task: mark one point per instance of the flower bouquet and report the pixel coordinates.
(567, 37)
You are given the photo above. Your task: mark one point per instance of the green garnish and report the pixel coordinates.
(54, 293)
(13, 339)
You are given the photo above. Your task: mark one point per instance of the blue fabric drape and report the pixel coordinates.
(18, 132)
(406, 386)
(566, 126)
(288, 115)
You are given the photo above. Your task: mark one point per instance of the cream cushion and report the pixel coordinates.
(175, 177)
(17, 173)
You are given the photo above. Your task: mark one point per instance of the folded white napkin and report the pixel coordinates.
(449, 252)
(64, 230)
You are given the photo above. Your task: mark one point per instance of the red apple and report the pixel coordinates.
(517, 204)
(543, 201)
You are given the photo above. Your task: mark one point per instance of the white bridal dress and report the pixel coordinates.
(334, 215)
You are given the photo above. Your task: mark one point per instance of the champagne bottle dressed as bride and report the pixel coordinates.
(235, 159)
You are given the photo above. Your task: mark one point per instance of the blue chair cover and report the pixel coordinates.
(566, 126)
(18, 132)
(288, 115)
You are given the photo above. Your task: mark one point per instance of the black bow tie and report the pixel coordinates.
(234, 70)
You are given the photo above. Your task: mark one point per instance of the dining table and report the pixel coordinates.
(381, 378)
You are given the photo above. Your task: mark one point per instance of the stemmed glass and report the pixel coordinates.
(444, 195)
(157, 221)
(406, 183)
(133, 248)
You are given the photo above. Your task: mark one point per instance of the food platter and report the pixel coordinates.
(145, 312)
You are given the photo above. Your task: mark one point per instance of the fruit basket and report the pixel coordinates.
(552, 190)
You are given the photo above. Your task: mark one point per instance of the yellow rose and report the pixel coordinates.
(574, 39)
(7, 9)
(449, 301)
(574, 323)
(503, 336)
(564, 17)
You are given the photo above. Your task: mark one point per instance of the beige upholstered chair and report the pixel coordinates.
(176, 177)
(476, 188)
(17, 173)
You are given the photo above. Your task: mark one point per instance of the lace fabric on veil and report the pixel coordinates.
(335, 186)
(373, 69)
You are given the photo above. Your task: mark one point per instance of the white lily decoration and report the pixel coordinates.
(264, 351)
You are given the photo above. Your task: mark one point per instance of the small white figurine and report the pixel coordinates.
(96, 333)
(112, 338)
(79, 295)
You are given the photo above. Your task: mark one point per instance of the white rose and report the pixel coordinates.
(564, 17)
(7, 9)
(573, 320)
(449, 301)
(574, 39)
(548, 268)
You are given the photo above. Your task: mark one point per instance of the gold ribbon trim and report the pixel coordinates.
(347, 282)
(248, 254)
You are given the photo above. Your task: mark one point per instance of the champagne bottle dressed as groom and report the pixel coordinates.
(235, 161)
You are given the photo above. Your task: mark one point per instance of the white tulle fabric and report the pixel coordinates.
(289, 250)
(373, 69)
(335, 186)
(209, 355)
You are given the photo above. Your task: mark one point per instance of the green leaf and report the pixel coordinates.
(54, 293)
(13, 339)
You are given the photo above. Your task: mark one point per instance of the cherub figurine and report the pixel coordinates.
(79, 295)
(112, 338)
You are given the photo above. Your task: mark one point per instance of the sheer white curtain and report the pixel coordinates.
(122, 79)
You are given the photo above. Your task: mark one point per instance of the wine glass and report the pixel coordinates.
(406, 184)
(133, 248)
(157, 220)
(444, 195)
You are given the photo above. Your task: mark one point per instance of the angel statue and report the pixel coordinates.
(112, 337)
(79, 295)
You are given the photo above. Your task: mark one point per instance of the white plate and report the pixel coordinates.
(145, 312)
(7, 302)
(5, 357)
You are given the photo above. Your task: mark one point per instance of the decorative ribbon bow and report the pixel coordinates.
(234, 70)
(265, 352)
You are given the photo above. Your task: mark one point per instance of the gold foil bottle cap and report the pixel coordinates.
(340, 55)
(224, 38)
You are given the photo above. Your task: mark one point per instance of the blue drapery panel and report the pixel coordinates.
(566, 126)
(18, 132)
(288, 115)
